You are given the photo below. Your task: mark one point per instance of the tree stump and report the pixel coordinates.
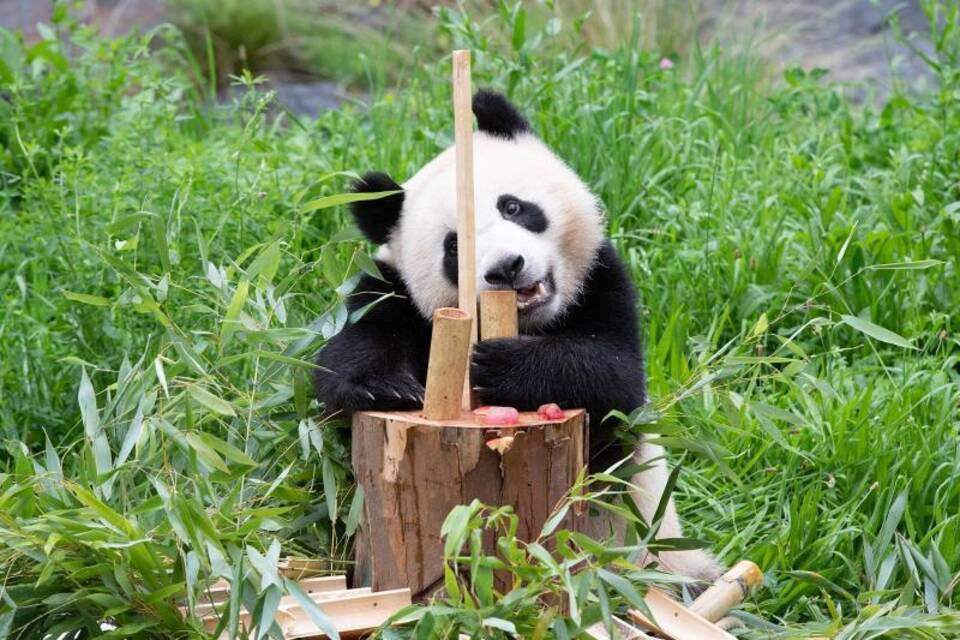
(414, 471)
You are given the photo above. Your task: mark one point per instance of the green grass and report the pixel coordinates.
(169, 266)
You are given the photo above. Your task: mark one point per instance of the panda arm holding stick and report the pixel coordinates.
(589, 358)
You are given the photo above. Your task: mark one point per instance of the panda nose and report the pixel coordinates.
(505, 272)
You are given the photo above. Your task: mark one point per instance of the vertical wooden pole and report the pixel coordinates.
(466, 230)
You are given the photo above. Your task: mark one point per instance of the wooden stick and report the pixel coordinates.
(466, 230)
(728, 591)
(672, 620)
(621, 631)
(447, 366)
(704, 619)
(498, 314)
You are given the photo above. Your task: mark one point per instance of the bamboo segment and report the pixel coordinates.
(466, 229)
(447, 366)
(672, 620)
(703, 620)
(498, 314)
(728, 591)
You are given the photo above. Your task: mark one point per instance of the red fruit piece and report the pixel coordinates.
(501, 416)
(551, 412)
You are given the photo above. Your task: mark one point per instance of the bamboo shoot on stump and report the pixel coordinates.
(449, 350)
(498, 314)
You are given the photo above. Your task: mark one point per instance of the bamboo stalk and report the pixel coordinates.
(498, 314)
(466, 230)
(728, 591)
(447, 366)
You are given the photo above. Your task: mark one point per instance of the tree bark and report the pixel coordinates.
(414, 471)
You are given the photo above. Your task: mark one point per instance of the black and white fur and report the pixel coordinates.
(540, 231)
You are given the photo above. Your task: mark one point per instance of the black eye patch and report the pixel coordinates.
(521, 212)
(450, 269)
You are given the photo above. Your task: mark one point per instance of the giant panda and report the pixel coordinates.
(539, 231)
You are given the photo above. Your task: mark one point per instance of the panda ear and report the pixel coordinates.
(376, 218)
(497, 116)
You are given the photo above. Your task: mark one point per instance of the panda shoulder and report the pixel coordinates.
(383, 288)
(608, 281)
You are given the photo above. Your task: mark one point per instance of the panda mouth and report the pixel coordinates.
(535, 295)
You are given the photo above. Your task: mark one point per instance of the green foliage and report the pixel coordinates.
(169, 266)
(557, 585)
(343, 41)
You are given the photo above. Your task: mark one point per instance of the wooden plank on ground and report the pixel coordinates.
(353, 612)
(219, 591)
(621, 631)
(300, 568)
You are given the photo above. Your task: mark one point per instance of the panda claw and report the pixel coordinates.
(397, 394)
(370, 395)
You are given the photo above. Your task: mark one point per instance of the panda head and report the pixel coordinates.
(538, 226)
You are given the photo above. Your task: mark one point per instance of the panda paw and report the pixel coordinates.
(399, 391)
(499, 372)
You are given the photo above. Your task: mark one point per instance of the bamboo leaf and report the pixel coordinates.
(265, 265)
(876, 331)
(355, 513)
(210, 401)
(207, 455)
(86, 298)
(345, 198)
(623, 586)
(906, 266)
(330, 488)
(266, 566)
(133, 434)
(228, 451)
(229, 324)
(317, 616)
(87, 399)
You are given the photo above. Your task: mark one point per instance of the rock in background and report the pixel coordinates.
(850, 38)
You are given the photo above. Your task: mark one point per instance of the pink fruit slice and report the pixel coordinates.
(501, 416)
(551, 412)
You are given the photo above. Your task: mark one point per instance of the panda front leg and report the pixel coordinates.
(573, 371)
(363, 369)
(648, 492)
(378, 362)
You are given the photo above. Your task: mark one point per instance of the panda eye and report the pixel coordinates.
(512, 208)
(450, 243)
